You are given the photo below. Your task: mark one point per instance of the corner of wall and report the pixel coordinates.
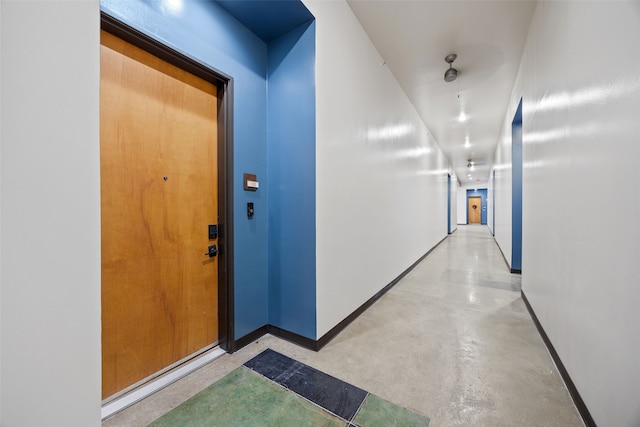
(50, 177)
(292, 181)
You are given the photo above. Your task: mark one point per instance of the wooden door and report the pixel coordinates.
(475, 210)
(158, 170)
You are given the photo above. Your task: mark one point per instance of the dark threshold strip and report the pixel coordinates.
(332, 394)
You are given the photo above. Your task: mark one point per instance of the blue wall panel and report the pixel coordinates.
(207, 33)
(493, 208)
(448, 204)
(516, 189)
(291, 158)
(269, 19)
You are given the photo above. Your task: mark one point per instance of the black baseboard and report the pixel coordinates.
(294, 338)
(255, 335)
(512, 270)
(573, 391)
(326, 338)
(248, 338)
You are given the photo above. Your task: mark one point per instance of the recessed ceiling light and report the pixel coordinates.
(462, 117)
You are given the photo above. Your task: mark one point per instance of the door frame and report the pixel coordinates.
(224, 85)
(483, 194)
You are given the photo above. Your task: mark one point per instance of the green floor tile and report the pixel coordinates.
(377, 412)
(244, 399)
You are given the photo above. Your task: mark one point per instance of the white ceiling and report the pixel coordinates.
(413, 38)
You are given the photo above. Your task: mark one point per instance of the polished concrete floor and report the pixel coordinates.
(275, 390)
(452, 340)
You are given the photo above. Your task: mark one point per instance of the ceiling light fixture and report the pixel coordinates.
(451, 74)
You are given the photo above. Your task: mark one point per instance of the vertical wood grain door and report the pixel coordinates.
(158, 170)
(475, 210)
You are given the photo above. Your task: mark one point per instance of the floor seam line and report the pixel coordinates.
(359, 408)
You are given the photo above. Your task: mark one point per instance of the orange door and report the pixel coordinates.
(158, 170)
(475, 209)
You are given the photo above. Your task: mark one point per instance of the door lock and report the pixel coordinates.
(212, 251)
(213, 231)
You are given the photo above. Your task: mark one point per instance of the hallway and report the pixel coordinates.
(452, 340)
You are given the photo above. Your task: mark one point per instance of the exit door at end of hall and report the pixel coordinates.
(474, 210)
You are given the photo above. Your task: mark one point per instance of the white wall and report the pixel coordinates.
(50, 223)
(454, 202)
(503, 187)
(461, 205)
(580, 81)
(381, 197)
(0, 211)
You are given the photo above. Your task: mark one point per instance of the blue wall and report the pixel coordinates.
(292, 181)
(482, 193)
(493, 207)
(448, 204)
(516, 189)
(209, 34)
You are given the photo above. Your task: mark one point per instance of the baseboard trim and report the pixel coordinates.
(292, 337)
(314, 345)
(573, 391)
(249, 338)
(326, 338)
(512, 270)
(300, 340)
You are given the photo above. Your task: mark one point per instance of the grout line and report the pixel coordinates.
(359, 407)
(146, 390)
